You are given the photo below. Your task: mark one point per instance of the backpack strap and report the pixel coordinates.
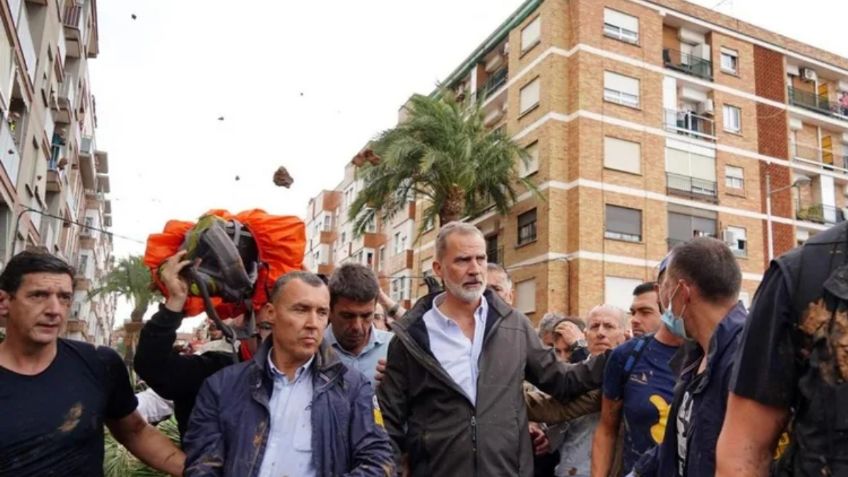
(634, 356)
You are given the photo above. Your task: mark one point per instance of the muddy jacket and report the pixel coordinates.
(228, 430)
(429, 417)
(709, 403)
(817, 276)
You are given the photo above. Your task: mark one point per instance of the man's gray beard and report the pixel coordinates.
(464, 295)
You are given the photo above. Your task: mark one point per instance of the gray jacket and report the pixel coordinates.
(429, 417)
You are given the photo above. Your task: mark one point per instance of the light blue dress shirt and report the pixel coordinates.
(366, 361)
(289, 448)
(458, 355)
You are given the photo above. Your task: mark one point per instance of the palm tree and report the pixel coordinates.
(443, 152)
(118, 462)
(130, 279)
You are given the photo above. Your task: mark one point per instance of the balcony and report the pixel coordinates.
(9, 156)
(688, 64)
(688, 123)
(496, 81)
(813, 102)
(691, 187)
(73, 20)
(822, 158)
(27, 46)
(819, 213)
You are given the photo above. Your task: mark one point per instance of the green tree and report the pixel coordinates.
(118, 462)
(441, 151)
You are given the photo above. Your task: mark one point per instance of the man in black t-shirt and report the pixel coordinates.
(793, 363)
(57, 394)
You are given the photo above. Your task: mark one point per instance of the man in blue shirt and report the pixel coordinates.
(638, 387)
(352, 334)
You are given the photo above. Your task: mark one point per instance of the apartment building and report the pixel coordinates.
(53, 180)
(649, 123)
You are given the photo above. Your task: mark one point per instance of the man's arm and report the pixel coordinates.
(543, 408)
(147, 443)
(560, 380)
(371, 450)
(392, 394)
(603, 444)
(748, 437)
(204, 440)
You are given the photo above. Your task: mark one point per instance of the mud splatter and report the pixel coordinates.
(260, 434)
(839, 341)
(72, 418)
(815, 316)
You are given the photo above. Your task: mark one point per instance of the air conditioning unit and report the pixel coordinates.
(808, 74)
(706, 107)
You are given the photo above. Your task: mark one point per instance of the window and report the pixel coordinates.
(690, 171)
(531, 34)
(328, 223)
(527, 227)
(622, 155)
(683, 226)
(344, 237)
(532, 163)
(732, 119)
(737, 239)
(371, 226)
(492, 249)
(729, 61)
(525, 296)
(623, 224)
(529, 96)
(381, 261)
(618, 291)
(621, 26)
(621, 89)
(398, 248)
(734, 177)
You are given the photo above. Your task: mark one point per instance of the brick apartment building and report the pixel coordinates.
(649, 122)
(53, 179)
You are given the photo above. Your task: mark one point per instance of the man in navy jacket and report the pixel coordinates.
(294, 409)
(700, 297)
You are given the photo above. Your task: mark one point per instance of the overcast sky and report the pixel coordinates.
(300, 84)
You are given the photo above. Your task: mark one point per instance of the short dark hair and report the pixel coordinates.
(306, 277)
(643, 288)
(355, 282)
(28, 262)
(710, 265)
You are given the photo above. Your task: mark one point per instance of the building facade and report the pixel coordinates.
(649, 123)
(53, 179)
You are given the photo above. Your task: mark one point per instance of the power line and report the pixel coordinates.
(85, 226)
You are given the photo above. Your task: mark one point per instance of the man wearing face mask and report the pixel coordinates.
(700, 296)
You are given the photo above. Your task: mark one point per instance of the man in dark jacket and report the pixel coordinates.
(700, 296)
(294, 409)
(452, 393)
(174, 376)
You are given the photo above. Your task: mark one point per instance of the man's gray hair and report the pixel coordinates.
(306, 277)
(614, 311)
(451, 228)
(494, 267)
(548, 323)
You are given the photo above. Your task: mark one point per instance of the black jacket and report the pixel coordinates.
(428, 415)
(172, 375)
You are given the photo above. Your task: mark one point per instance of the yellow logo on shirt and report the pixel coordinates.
(658, 429)
(378, 415)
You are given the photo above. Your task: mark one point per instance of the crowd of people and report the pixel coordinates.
(338, 379)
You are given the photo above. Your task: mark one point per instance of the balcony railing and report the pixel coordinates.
(814, 102)
(819, 213)
(691, 187)
(827, 159)
(690, 124)
(689, 64)
(494, 83)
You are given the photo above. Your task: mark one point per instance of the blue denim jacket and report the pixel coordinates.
(229, 426)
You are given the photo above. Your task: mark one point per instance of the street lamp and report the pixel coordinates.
(800, 180)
